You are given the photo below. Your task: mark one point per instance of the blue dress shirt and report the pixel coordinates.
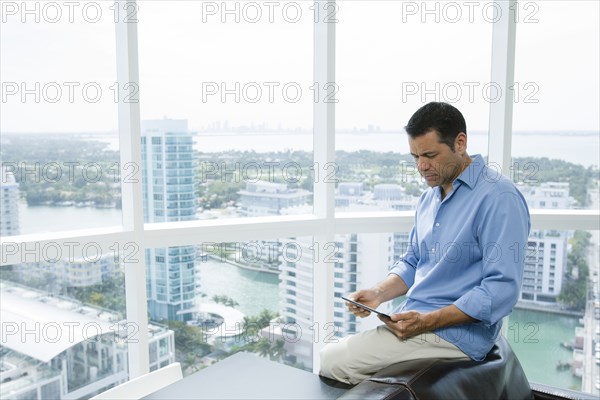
(468, 250)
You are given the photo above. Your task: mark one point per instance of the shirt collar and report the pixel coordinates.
(471, 174)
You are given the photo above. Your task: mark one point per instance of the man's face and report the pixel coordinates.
(436, 162)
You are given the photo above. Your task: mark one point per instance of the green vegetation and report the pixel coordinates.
(110, 294)
(534, 171)
(225, 300)
(573, 292)
(221, 175)
(63, 170)
(256, 343)
(191, 344)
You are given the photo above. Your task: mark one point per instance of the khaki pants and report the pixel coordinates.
(357, 357)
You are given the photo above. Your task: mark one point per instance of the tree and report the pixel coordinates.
(573, 292)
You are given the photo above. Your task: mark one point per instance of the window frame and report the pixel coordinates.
(322, 224)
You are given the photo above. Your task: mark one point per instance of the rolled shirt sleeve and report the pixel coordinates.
(405, 268)
(502, 242)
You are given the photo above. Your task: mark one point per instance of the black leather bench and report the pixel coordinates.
(499, 376)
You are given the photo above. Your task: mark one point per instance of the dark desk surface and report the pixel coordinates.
(248, 376)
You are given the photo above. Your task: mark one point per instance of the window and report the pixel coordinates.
(380, 80)
(563, 181)
(244, 133)
(73, 97)
(376, 74)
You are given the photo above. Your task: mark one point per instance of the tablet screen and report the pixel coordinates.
(364, 307)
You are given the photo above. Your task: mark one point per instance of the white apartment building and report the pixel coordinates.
(58, 348)
(546, 255)
(169, 184)
(78, 272)
(264, 198)
(360, 260)
(9, 204)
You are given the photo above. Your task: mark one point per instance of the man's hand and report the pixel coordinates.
(411, 323)
(368, 297)
(391, 287)
(407, 324)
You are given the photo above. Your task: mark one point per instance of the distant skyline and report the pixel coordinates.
(386, 59)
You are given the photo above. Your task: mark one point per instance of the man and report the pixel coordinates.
(462, 272)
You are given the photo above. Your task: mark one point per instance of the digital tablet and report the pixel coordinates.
(364, 307)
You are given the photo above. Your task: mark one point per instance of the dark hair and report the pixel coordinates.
(441, 117)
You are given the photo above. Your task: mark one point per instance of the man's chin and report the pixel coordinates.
(432, 182)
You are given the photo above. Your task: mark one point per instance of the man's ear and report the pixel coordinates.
(460, 143)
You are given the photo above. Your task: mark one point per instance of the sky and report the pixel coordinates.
(198, 62)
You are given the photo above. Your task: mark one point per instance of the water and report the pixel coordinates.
(41, 219)
(535, 337)
(254, 291)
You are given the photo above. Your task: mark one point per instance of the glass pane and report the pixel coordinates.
(555, 329)
(59, 152)
(221, 298)
(236, 79)
(556, 141)
(555, 149)
(404, 55)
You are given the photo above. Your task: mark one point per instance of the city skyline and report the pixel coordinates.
(382, 87)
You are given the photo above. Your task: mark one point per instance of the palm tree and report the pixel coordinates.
(278, 350)
(263, 347)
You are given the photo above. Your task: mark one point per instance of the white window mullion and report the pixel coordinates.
(324, 159)
(502, 76)
(131, 187)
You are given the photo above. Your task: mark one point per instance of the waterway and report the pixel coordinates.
(255, 291)
(536, 338)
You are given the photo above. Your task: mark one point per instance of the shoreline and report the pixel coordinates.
(521, 305)
(242, 266)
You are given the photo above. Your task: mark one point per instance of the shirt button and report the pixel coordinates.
(437, 224)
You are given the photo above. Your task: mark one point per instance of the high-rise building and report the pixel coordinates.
(360, 261)
(9, 204)
(168, 190)
(546, 254)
